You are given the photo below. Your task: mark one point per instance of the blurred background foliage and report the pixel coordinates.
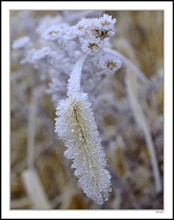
(139, 37)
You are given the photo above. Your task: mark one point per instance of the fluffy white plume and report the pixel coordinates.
(76, 126)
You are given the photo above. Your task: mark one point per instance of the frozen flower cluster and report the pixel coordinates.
(61, 45)
(88, 36)
(93, 32)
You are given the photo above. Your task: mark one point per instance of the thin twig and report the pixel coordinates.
(31, 126)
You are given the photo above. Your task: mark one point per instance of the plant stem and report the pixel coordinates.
(142, 122)
(75, 77)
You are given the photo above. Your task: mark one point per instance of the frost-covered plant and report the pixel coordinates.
(75, 123)
(80, 53)
(76, 49)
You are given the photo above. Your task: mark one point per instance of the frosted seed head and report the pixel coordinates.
(51, 33)
(109, 63)
(90, 47)
(107, 21)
